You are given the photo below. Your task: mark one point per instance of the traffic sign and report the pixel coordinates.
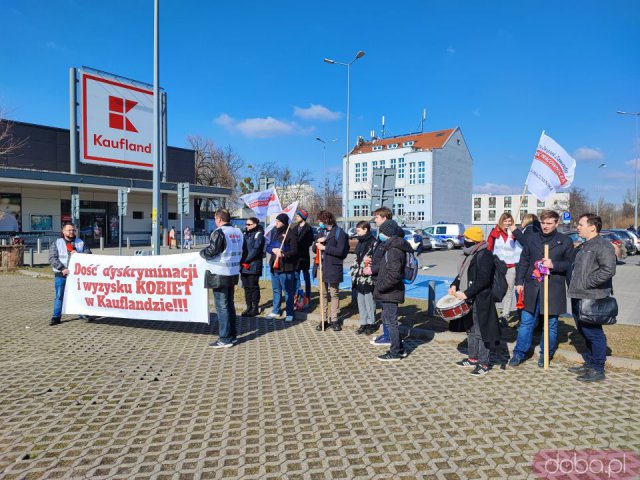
(566, 217)
(183, 197)
(122, 201)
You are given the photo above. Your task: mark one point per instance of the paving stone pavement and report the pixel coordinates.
(120, 399)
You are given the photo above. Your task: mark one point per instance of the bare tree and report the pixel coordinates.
(579, 202)
(8, 142)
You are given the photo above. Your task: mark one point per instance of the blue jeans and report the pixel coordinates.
(390, 320)
(283, 282)
(595, 355)
(307, 282)
(528, 322)
(226, 312)
(59, 283)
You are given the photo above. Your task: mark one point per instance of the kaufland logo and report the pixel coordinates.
(118, 109)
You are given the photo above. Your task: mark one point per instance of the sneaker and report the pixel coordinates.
(273, 315)
(221, 344)
(381, 340)
(591, 376)
(467, 363)
(361, 329)
(480, 370)
(288, 318)
(515, 361)
(327, 325)
(579, 369)
(541, 362)
(336, 326)
(370, 329)
(403, 354)
(54, 321)
(234, 341)
(389, 357)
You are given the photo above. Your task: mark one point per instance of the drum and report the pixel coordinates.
(451, 307)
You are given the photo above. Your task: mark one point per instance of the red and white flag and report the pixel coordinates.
(263, 203)
(552, 168)
(290, 211)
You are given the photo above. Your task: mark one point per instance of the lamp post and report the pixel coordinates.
(324, 169)
(635, 165)
(602, 165)
(345, 182)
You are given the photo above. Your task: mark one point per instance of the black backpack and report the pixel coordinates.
(499, 287)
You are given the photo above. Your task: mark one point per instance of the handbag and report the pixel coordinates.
(599, 311)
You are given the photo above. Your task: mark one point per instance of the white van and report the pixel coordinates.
(450, 233)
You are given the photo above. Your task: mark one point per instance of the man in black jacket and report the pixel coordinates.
(251, 263)
(223, 270)
(305, 240)
(593, 270)
(283, 248)
(529, 282)
(389, 286)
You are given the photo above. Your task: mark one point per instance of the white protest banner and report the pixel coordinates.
(290, 211)
(552, 168)
(163, 287)
(263, 203)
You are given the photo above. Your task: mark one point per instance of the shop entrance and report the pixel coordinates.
(97, 219)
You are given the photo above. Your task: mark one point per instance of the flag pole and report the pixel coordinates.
(546, 313)
(321, 281)
(524, 192)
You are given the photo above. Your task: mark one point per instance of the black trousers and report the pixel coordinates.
(251, 288)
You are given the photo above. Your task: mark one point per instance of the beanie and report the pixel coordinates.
(474, 233)
(303, 214)
(284, 218)
(389, 228)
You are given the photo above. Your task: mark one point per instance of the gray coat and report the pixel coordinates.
(593, 269)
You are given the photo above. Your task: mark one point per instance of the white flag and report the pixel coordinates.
(552, 168)
(290, 211)
(263, 203)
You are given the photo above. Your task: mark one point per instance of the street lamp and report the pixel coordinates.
(345, 182)
(324, 169)
(602, 165)
(635, 161)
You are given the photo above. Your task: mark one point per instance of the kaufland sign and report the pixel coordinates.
(117, 122)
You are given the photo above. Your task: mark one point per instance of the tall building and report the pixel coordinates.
(432, 182)
(488, 207)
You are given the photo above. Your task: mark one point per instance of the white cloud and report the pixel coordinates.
(617, 175)
(316, 112)
(633, 163)
(588, 154)
(451, 50)
(496, 188)
(260, 127)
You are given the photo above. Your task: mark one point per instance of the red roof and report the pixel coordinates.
(422, 141)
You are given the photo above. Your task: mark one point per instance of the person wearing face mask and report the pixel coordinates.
(333, 246)
(251, 265)
(473, 284)
(389, 284)
(283, 247)
(529, 281)
(60, 253)
(362, 283)
(505, 246)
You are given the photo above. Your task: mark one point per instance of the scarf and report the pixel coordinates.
(469, 253)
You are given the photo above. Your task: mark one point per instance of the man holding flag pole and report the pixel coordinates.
(546, 257)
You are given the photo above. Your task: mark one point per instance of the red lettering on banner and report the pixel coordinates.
(551, 162)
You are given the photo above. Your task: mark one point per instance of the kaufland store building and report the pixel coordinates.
(36, 186)
(38, 178)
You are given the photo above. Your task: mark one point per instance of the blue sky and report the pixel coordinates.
(251, 75)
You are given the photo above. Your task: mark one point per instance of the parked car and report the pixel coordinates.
(433, 242)
(450, 233)
(353, 240)
(575, 238)
(630, 238)
(617, 242)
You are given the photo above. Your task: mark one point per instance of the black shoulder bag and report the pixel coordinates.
(599, 311)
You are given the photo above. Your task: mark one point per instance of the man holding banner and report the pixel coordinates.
(223, 270)
(530, 274)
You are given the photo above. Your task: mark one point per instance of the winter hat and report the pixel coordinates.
(303, 214)
(284, 218)
(474, 233)
(389, 228)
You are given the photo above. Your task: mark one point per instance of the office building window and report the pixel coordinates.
(393, 163)
(382, 164)
(364, 172)
(540, 203)
(399, 209)
(412, 199)
(420, 199)
(477, 215)
(356, 210)
(399, 193)
(365, 210)
(374, 164)
(492, 202)
(420, 216)
(401, 167)
(421, 172)
(477, 202)
(492, 215)
(357, 169)
(360, 194)
(525, 201)
(412, 173)
(507, 202)
(138, 215)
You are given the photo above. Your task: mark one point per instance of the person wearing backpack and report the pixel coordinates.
(530, 281)
(389, 285)
(333, 245)
(504, 245)
(474, 284)
(362, 283)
